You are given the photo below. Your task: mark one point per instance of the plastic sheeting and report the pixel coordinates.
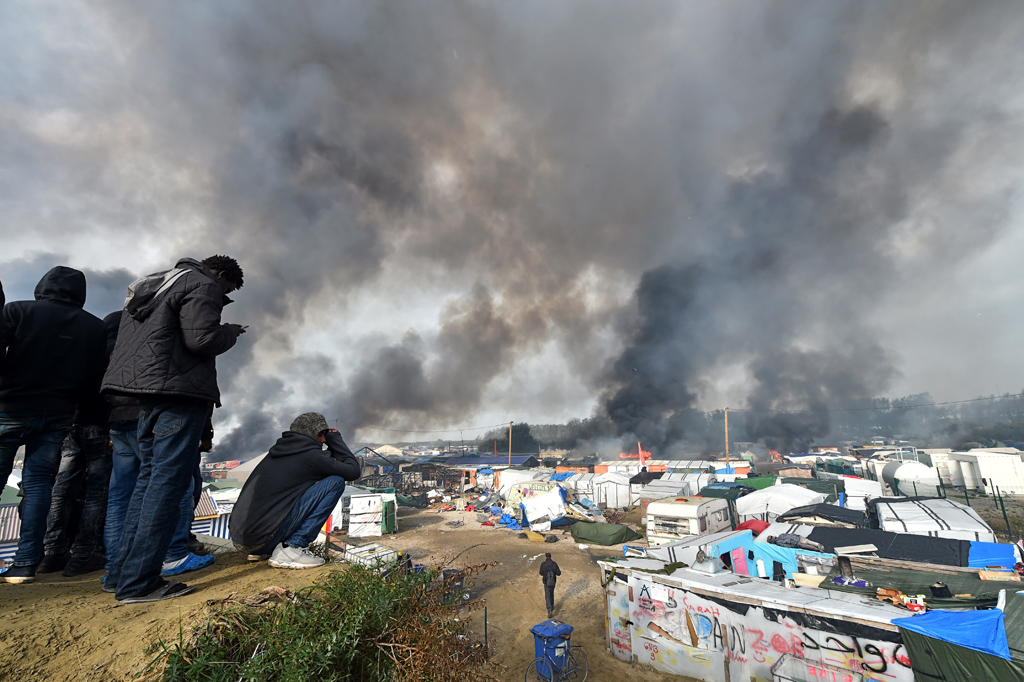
(982, 631)
(767, 504)
(541, 511)
(984, 554)
(937, 517)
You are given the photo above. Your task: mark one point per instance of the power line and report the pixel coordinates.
(457, 428)
(876, 409)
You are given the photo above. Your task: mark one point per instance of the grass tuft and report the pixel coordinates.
(350, 625)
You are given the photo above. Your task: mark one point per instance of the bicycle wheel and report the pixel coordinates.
(577, 668)
(533, 672)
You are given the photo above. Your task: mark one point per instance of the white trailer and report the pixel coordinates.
(676, 518)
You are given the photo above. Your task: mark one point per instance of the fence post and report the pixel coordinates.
(915, 489)
(966, 496)
(1009, 531)
(942, 487)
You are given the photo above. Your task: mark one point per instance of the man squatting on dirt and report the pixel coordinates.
(290, 494)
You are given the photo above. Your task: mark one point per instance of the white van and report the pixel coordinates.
(675, 518)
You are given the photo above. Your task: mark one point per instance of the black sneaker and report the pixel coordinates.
(18, 574)
(81, 566)
(196, 547)
(52, 563)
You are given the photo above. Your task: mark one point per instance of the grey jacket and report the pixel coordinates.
(169, 338)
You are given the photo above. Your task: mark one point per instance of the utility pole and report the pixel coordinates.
(727, 437)
(510, 443)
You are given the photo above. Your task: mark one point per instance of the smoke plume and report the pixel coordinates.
(465, 213)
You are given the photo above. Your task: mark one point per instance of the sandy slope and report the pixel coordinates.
(67, 629)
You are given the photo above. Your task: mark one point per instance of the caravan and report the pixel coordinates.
(675, 518)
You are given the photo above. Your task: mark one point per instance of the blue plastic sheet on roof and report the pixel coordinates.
(984, 554)
(726, 470)
(485, 472)
(982, 631)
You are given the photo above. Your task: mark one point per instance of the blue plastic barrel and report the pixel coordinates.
(551, 645)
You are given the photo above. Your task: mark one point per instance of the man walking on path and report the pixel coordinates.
(290, 494)
(166, 355)
(52, 356)
(549, 573)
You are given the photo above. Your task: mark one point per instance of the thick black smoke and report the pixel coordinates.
(452, 211)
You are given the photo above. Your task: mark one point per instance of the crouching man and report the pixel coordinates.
(290, 494)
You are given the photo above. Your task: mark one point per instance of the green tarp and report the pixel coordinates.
(758, 482)
(603, 533)
(935, 661)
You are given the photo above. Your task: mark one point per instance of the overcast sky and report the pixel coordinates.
(457, 214)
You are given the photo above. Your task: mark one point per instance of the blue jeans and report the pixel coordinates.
(168, 434)
(41, 435)
(308, 515)
(125, 436)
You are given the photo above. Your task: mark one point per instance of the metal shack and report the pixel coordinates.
(675, 518)
(725, 626)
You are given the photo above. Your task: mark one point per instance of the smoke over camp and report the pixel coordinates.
(458, 214)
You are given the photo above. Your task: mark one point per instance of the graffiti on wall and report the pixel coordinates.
(671, 623)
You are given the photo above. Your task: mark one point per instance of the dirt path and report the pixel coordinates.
(67, 629)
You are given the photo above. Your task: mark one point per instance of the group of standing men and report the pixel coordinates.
(143, 379)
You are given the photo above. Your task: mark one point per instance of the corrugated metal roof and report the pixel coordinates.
(10, 523)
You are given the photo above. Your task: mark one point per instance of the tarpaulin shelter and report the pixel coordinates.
(603, 533)
(937, 517)
(903, 546)
(814, 514)
(767, 504)
(541, 511)
(982, 631)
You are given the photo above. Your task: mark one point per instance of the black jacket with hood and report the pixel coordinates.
(549, 572)
(169, 340)
(294, 463)
(55, 351)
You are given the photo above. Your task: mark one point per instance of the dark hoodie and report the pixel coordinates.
(55, 351)
(294, 463)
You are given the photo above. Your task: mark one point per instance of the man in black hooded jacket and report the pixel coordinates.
(290, 494)
(52, 355)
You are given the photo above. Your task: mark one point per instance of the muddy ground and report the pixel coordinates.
(67, 629)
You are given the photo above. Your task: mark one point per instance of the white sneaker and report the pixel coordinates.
(294, 557)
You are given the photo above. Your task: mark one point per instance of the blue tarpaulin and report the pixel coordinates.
(982, 631)
(984, 554)
(562, 476)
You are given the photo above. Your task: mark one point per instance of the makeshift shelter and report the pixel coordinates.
(656, 490)
(754, 526)
(505, 479)
(822, 514)
(982, 631)
(543, 510)
(904, 546)
(767, 504)
(603, 533)
(529, 489)
(611, 491)
(582, 486)
(833, 489)
(937, 517)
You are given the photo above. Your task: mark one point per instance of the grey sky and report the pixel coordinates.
(445, 211)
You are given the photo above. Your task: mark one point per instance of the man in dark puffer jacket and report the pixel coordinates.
(290, 494)
(165, 355)
(51, 353)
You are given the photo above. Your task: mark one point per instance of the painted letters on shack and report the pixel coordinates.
(684, 633)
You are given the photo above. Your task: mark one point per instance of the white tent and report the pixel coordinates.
(765, 505)
(611, 490)
(938, 517)
(859, 491)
